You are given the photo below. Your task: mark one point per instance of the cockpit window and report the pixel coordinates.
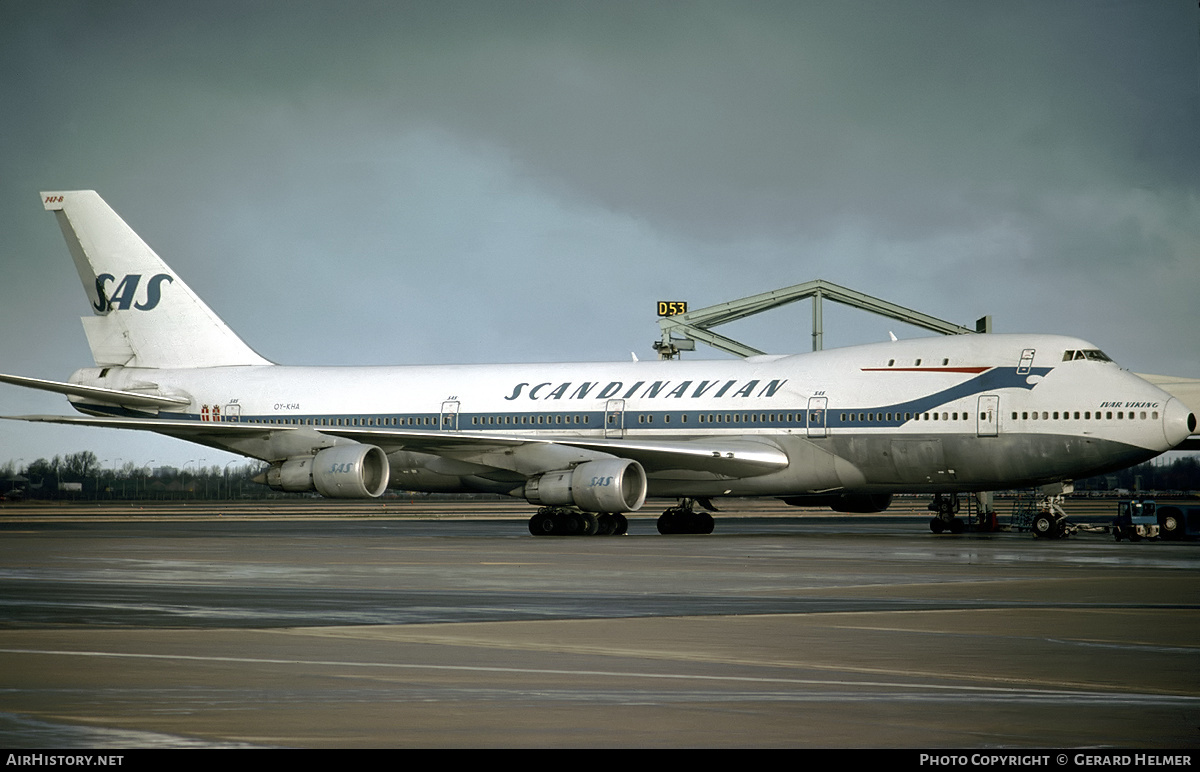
(1095, 355)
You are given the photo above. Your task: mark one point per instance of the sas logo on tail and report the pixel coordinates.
(124, 296)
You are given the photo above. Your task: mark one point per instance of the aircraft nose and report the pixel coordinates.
(1178, 422)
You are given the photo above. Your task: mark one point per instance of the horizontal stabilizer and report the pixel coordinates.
(168, 426)
(97, 393)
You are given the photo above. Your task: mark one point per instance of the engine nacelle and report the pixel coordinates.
(859, 503)
(616, 485)
(340, 472)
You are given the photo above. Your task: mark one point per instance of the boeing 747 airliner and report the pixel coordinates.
(588, 442)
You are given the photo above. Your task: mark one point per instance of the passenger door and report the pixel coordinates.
(988, 421)
(449, 416)
(614, 418)
(817, 409)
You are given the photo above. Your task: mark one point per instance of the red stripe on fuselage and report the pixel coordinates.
(971, 370)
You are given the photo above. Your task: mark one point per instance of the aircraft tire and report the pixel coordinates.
(542, 524)
(591, 524)
(937, 525)
(1045, 527)
(572, 524)
(622, 524)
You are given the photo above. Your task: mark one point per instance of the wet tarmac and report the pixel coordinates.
(339, 631)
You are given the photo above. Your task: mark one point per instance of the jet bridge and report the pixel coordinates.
(680, 331)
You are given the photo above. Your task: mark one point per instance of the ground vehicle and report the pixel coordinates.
(1147, 519)
(1136, 520)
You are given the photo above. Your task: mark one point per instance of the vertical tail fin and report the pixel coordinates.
(144, 315)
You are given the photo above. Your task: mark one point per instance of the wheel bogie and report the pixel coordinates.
(559, 521)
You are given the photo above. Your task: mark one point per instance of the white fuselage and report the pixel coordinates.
(972, 412)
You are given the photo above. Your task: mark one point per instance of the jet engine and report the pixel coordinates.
(616, 485)
(845, 502)
(341, 472)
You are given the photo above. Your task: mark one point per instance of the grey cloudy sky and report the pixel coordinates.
(426, 182)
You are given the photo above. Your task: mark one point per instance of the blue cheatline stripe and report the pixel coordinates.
(879, 416)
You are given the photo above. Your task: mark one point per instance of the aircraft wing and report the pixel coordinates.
(1187, 391)
(728, 457)
(731, 457)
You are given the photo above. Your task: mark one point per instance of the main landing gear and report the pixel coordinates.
(563, 521)
(684, 518)
(560, 521)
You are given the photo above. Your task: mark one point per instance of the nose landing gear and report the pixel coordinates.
(1051, 520)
